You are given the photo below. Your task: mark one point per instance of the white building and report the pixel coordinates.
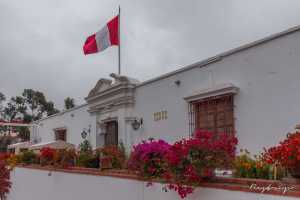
(250, 91)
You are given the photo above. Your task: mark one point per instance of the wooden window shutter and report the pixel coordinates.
(215, 114)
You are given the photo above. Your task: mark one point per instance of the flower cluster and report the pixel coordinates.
(246, 166)
(287, 153)
(5, 183)
(47, 155)
(112, 157)
(182, 190)
(148, 158)
(186, 162)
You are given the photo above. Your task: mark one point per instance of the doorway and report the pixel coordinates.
(111, 136)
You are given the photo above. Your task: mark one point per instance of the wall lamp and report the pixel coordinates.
(136, 124)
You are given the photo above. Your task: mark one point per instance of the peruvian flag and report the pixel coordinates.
(107, 36)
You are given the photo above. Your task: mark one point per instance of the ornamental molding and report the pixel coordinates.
(110, 95)
(216, 90)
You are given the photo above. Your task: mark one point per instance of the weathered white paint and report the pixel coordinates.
(74, 120)
(31, 184)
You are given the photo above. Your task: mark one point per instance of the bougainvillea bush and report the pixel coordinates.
(185, 163)
(5, 183)
(286, 154)
(192, 160)
(148, 158)
(47, 156)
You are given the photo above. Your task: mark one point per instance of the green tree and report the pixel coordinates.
(37, 105)
(30, 106)
(69, 103)
(14, 108)
(24, 133)
(50, 108)
(2, 100)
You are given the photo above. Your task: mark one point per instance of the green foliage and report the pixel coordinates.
(87, 159)
(50, 109)
(30, 106)
(122, 149)
(85, 146)
(247, 167)
(5, 140)
(24, 133)
(28, 157)
(37, 104)
(11, 110)
(2, 99)
(69, 103)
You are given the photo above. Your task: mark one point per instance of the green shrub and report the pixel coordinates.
(28, 157)
(87, 159)
(85, 146)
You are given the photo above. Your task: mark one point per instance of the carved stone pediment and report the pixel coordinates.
(101, 85)
(109, 95)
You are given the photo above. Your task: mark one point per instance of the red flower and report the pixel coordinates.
(47, 155)
(186, 162)
(5, 183)
(287, 153)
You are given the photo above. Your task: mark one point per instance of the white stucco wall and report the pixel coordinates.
(31, 184)
(75, 121)
(266, 108)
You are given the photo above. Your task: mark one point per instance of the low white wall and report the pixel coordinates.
(29, 184)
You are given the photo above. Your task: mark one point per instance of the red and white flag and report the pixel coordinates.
(107, 36)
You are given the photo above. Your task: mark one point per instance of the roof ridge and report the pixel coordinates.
(220, 56)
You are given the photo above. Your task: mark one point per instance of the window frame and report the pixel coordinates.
(194, 113)
(60, 131)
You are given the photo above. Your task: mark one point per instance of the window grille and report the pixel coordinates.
(214, 114)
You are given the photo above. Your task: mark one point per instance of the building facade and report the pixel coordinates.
(250, 91)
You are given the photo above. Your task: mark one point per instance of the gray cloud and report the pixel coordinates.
(41, 40)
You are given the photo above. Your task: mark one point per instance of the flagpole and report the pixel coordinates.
(119, 46)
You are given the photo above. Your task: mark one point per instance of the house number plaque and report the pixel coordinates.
(162, 115)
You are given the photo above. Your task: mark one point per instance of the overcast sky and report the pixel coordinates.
(41, 40)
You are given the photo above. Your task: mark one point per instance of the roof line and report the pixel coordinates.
(220, 56)
(61, 113)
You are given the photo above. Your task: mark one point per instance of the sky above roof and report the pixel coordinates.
(41, 40)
